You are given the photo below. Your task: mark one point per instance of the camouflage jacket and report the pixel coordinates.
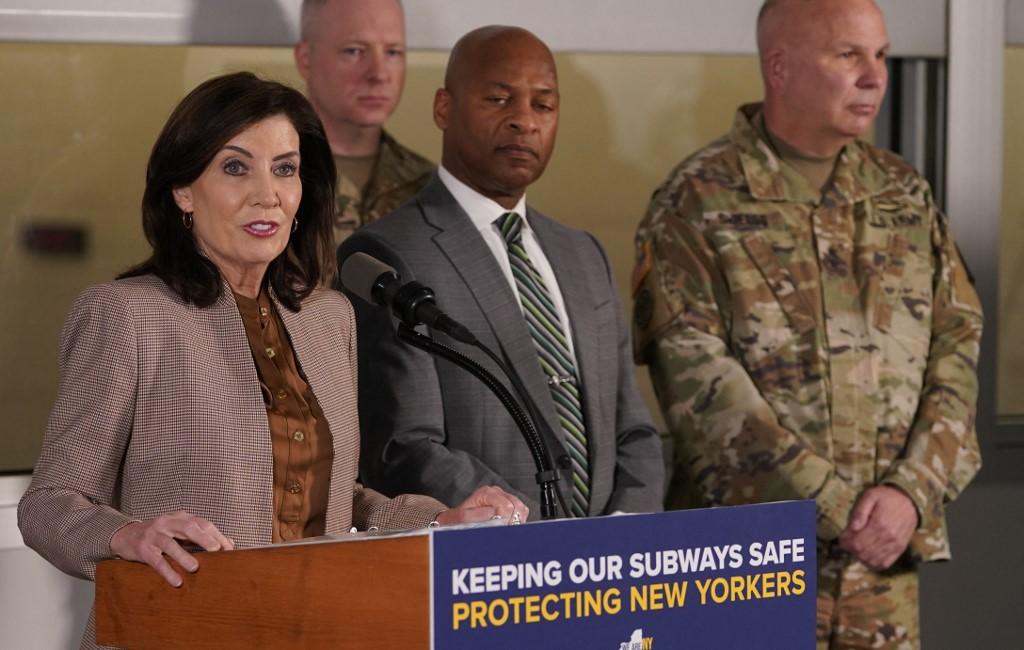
(398, 175)
(806, 345)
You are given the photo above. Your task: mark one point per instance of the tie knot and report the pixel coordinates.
(510, 225)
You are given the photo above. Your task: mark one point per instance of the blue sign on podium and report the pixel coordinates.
(739, 577)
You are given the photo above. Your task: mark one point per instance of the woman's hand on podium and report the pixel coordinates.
(149, 541)
(488, 502)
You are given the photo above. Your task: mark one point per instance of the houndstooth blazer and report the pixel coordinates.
(159, 409)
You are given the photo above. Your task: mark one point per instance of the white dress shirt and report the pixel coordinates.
(484, 212)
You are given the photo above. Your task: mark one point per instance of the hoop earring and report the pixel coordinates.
(295, 224)
(186, 220)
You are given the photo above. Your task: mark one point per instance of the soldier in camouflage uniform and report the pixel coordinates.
(352, 57)
(816, 336)
(398, 175)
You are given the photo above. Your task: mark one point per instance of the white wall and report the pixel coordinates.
(40, 607)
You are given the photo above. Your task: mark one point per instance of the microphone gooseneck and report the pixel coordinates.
(547, 476)
(377, 283)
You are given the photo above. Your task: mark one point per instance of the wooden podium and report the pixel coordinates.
(354, 594)
(719, 578)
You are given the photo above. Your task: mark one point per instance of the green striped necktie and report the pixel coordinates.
(553, 351)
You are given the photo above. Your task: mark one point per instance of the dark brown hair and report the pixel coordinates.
(199, 127)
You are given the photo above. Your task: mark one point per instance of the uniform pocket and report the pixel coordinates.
(774, 330)
(767, 309)
(902, 303)
(781, 283)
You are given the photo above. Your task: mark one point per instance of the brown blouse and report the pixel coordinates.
(299, 434)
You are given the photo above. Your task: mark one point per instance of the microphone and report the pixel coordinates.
(412, 303)
(376, 283)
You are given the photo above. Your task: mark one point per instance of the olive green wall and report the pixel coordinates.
(78, 121)
(1010, 351)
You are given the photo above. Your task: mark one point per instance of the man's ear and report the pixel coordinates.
(183, 198)
(442, 102)
(301, 54)
(776, 69)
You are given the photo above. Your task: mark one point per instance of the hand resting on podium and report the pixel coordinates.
(154, 540)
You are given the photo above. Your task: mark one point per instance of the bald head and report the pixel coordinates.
(785, 23)
(482, 46)
(792, 24)
(823, 65)
(499, 111)
(771, 21)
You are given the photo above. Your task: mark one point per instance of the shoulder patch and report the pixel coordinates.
(642, 268)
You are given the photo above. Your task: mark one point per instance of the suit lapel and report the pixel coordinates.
(459, 240)
(317, 358)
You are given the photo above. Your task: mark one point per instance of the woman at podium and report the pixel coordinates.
(207, 397)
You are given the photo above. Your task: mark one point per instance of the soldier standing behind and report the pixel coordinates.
(810, 328)
(352, 57)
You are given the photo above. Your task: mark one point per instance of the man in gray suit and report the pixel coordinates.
(538, 293)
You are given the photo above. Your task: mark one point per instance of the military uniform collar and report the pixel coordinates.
(857, 175)
(391, 156)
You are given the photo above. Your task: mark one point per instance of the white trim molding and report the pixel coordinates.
(974, 168)
(916, 27)
(11, 489)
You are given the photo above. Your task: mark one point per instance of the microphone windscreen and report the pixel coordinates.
(360, 272)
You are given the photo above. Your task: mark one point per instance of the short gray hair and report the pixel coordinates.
(307, 15)
(767, 7)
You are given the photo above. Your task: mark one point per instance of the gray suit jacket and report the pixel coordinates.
(432, 428)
